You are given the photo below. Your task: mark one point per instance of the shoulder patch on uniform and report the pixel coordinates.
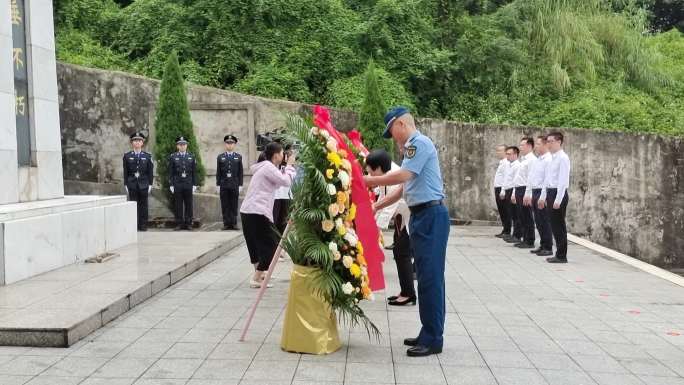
(411, 151)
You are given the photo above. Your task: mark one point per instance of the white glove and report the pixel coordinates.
(218, 189)
(171, 188)
(239, 189)
(194, 188)
(149, 189)
(126, 187)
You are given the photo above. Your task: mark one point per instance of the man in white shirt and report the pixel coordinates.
(554, 195)
(507, 193)
(520, 182)
(535, 182)
(391, 205)
(499, 177)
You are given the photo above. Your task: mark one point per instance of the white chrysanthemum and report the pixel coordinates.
(347, 288)
(337, 255)
(344, 179)
(350, 238)
(333, 209)
(347, 261)
(331, 189)
(332, 246)
(331, 145)
(314, 131)
(324, 134)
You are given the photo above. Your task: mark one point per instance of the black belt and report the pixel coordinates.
(422, 206)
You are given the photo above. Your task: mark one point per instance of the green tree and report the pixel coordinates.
(371, 123)
(173, 120)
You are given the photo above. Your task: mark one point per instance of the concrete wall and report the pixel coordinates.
(627, 190)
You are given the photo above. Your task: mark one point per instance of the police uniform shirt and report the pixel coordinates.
(420, 157)
(183, 172)
(138, 168)
(500, 174)
(520, 179)
(558, 175)
(229, 168)
(510, 175)
(537, 173)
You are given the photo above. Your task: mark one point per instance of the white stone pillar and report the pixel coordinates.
(8, 135)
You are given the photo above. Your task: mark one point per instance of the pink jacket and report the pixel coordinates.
(266, 178)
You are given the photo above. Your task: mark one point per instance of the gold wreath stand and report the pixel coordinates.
(310, 325)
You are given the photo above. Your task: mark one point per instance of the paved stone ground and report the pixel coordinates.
(512, 319)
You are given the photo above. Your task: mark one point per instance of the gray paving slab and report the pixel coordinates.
(511, 319)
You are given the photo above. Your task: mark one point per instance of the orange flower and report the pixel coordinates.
(341, 198)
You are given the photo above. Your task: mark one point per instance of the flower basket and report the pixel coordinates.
(310, 325)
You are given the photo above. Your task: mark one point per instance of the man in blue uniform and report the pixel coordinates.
(229, 181)
(428, 226)
(183, 182)
(138, 174)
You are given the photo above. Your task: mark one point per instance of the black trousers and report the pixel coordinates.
(140, 196)
(557, 219)
(182, 198)
(503, 213)
(541, 219)
(525, 216)
(403, 256)
(229, 205)
(513, 214)
(261, 239)
(281, 213)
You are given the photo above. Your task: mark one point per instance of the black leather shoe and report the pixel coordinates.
(422, 351)
(535, 251)
(178, 228)
(556, 260)
(411, 341)
(409, 300)
(142, 229)
(513, 240)
(392, 297)
(524, 245)
(501, 235)
(390, 247)
(544, 253)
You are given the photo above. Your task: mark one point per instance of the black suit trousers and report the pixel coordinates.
(558, 227)
(503, 212)
(140, 196)
(229, 205)
(182, 198)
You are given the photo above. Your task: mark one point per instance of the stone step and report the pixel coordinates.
(58, 308)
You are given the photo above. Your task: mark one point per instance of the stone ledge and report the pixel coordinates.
(118, 288)
(22, 210)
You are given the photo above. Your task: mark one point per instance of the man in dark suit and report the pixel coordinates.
(229, 181)
(138, 174)
(183, 182)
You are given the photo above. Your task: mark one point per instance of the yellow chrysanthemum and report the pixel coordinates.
(351, 215)
(341, 230)
(341, 198)
(327, 225)
(342, 153)
(355, 270)
(329, 173)
(366, 291)
(361, 259)
(359, 247)
(334, 158)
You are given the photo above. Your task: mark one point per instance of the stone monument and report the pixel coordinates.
(40, 228)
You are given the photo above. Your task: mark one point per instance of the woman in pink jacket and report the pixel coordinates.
(256, 211)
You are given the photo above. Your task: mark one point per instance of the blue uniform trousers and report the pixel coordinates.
(429, 232)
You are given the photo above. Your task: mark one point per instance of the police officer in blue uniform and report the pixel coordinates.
(428, 226)
(138, 174)
(229, 181)
(183, 182)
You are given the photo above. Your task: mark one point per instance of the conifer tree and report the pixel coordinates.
(371, 118)
(173, 120)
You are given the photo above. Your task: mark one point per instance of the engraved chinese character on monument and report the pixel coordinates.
(21, 96)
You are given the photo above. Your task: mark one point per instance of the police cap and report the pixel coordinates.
(230, 138)
(392, 115)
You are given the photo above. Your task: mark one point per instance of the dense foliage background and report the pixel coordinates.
(609, 64)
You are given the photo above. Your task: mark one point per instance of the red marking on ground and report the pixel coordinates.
(579, 280)
(560, 270)
(634, 312)
(603, 295)
(674, 334)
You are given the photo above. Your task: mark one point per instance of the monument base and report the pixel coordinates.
(39, 236)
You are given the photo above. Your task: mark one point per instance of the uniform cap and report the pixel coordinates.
(137, 135)
(181, 140)
(228, 138)
(391, 116)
